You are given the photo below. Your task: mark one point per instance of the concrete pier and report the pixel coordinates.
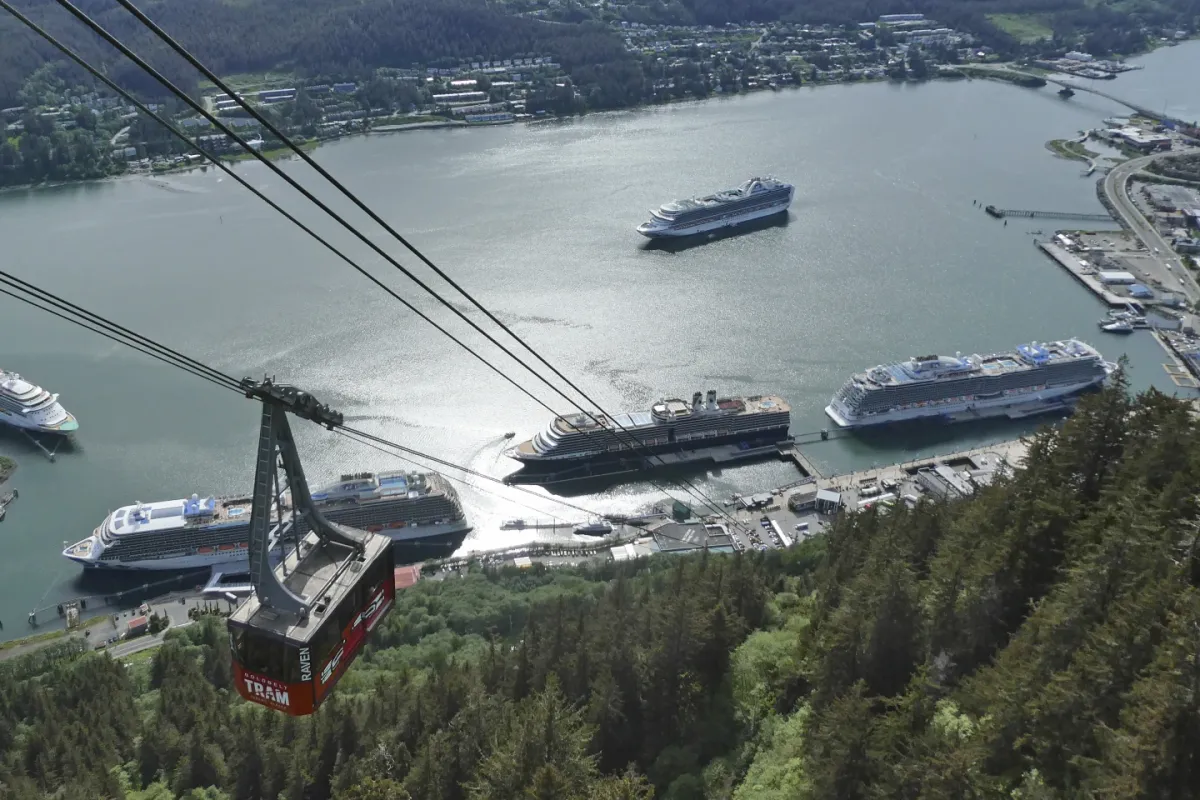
(927, 476)
(1084, 275)
(1182, 371)
(793, 454)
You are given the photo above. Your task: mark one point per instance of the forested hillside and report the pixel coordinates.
(351, 37)
(1116, 24)
(1041, 640)
(308, 36)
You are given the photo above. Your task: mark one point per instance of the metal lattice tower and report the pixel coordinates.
(277, 449)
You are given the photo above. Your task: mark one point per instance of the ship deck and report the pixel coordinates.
(1022, 359)
(165, 515)
(727, 406)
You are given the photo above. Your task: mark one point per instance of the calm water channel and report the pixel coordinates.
(883, 257)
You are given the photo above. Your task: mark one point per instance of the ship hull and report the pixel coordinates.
(716, 450)
(1052, 398)
(23, 423)
(412, 543)
(652, 231)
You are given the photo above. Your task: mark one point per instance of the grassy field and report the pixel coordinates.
(1065, 148)
(1023, 27)
(274, 152)
(253, 80)
(7, 467)
(408, 119)
(48, 636)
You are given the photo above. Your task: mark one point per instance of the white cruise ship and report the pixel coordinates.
(1028, 380)
(419, 512)
(29, 407)
(755, 199)
(673, 431)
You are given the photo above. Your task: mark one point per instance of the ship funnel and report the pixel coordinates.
(712, 399)
(696, 400)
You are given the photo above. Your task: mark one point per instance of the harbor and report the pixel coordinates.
(924, 275)
(1083, 272)
(773, 518)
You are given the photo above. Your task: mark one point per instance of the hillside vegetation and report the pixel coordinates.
(352, 37)
(1041, 640)
(308, 36)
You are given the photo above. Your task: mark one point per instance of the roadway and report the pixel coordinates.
(1116, 189)
(1073, 85)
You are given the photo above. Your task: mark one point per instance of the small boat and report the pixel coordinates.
(596, 527)
(1066, 91)
(512, 525)
(1118, 326)
(510, 434)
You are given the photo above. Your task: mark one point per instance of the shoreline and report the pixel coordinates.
(8, 466)
(282, 153)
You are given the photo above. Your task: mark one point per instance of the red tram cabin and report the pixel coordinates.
(291, 664)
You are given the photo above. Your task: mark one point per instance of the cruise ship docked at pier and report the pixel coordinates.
(31, 408)
(755, 199)
(420, 513)
(672, 432)
(1032, 379)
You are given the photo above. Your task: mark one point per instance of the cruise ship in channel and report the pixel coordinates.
(672, 432)
(419, 512)
(755, 199)
(1029, 380)
(32, 408)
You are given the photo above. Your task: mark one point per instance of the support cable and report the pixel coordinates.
(683, 483)
(95, 323)
(215, 159)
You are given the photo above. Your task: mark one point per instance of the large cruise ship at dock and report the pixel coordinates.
(28, 407)
(421, 513)
(672, 432)
(1031, 379)
(757, 198)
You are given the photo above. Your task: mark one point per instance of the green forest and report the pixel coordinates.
(352, 37)
(1040, 640)
(346, 37)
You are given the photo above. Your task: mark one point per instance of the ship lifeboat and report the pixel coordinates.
(243, 545)
(225, 547)
(204, 550)
(395, 524)
(374, 528)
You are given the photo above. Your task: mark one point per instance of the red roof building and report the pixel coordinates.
(407, 576)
